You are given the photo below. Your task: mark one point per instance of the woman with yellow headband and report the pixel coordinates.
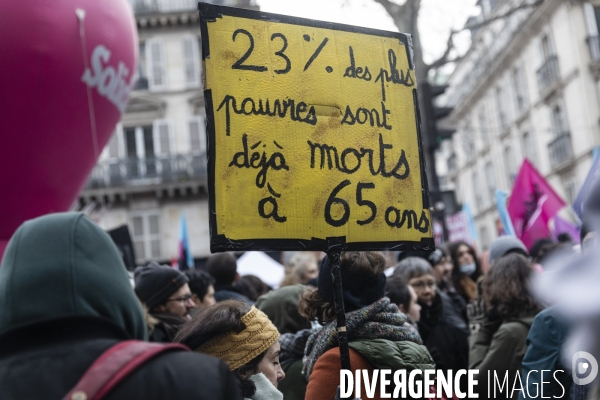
(245, 339)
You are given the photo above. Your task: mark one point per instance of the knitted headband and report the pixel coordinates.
(237, 349)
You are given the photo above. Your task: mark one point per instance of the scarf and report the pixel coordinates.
(380, 320)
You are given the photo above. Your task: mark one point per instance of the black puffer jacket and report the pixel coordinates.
(65, 298)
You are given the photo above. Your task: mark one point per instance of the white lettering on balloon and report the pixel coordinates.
(110, 83)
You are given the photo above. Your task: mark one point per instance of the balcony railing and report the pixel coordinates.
(594, 46)
(160, 6)
(548, 74)
(134, 172)
(560, 149)
(167, 6)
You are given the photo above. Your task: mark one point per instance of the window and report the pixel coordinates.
(162, 137)
(139, 151)
(146, 236)
(529, 147)
(477, 191)
(501, 109)
(141, 81)
(197, 134)
(490, 182)
(114, 148)
(519, 89)
(569, 185)
(558, 120)
(546, 48)
(469, 142)
(155, 62)
(483, 126)
(191, 61)
(509, 165)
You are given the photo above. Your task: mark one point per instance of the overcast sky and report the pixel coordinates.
(437, 17)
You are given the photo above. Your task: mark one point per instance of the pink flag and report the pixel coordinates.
(532, 204)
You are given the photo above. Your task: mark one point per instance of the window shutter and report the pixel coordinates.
(590, 19)
(191, 61)
(162, 137)
(197, 134)
(155, 61)
(113, 145)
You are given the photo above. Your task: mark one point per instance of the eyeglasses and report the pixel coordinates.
(423, 285)
(183, 299)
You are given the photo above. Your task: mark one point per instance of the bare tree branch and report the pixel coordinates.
(443, 60)
(505, 15)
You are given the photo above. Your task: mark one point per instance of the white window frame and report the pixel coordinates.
(158, 151)
(152, 86)
(195, 61)
(203, 139)
(146, 236)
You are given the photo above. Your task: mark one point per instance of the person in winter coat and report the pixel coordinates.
(166, 295)
(223, 268)
(243, 337)
(500, 344)
(281, 306)
(65, 298)
(442, 326)
(466, 271)
(380, 337)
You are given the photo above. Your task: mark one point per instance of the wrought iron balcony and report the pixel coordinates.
(548, 74)
(594, 46)
(149, 171)
(560, 149)
(169, 6)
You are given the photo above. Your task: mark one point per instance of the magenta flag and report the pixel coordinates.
(533, 203)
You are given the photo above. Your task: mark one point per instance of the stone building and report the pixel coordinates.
(527, 87)
(154, 168)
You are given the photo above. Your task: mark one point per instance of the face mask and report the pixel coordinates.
(467, 269)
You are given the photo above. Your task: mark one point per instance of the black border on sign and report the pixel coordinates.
(219, 242)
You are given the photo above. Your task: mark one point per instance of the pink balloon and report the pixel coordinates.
(66, 69)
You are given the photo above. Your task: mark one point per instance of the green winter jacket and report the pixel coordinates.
(386, 354)
(49, 271)
(500, 348)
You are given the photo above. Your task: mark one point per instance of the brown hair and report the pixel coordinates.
(364, 264)
(215, 320)
(506, 288)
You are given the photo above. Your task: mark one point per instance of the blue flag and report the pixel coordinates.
(592, 175)
(503, 212)
(472, 229)
(185, 255)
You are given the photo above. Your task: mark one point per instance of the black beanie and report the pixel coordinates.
(154, 283)
(360, 289)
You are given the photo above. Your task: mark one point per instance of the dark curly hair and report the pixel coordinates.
(364, 264)
(506, 288)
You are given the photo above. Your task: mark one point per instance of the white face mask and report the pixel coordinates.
(467, 269)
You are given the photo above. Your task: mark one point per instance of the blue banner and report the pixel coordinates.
(501, 198)
(592, 175)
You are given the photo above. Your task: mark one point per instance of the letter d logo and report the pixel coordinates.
(582, 363)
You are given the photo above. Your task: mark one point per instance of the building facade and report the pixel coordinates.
(527, 88)
(153, 170)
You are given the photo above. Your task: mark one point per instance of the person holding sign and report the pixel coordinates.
(380, 336)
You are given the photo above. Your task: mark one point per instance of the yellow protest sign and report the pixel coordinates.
(313, 135)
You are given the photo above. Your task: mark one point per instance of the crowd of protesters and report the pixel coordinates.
(66, 299)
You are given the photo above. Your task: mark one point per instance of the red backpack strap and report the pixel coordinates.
(114, 365)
